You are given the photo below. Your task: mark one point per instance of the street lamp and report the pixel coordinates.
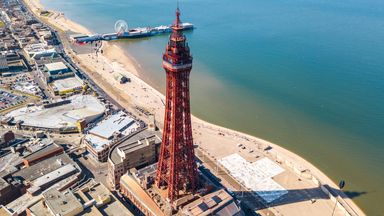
(341, 186)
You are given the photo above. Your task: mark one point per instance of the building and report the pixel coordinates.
(42, 154)
(8, 190)
(37, 51)
(5, 212)
(3, 64)
(57, 70)
(133, 191)
(91, 199)
(57, 203)
(138, 186)
(134, 151)
(6, 138)
(67, 85)
(108, 132)
(64, 116)
(12, 62)
(177, 167)
(215, 203)
(40, 176)
(47, 180)
(5, 192)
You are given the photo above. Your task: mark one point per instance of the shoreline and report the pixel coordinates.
(121, 62)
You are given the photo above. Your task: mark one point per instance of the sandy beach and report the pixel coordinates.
(213, 141)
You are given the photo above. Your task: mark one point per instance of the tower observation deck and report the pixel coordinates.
(177, 172)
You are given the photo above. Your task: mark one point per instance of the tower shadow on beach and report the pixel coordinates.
(311, 195)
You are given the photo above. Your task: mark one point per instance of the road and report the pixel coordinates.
(61, 47)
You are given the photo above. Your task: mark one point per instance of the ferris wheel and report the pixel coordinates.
(121, 26)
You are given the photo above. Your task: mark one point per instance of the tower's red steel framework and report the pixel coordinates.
(177, 170)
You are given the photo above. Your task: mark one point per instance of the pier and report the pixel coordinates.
(122, 32)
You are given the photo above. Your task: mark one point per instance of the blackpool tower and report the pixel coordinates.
(177, 172)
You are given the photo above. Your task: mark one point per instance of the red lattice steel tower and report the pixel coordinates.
(177, 170)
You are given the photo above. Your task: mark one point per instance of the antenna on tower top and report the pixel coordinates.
(177, 23)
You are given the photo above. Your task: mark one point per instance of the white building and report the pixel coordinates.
(105, 134)
(61, 117)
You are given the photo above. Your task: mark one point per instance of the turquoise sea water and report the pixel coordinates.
(305, 74)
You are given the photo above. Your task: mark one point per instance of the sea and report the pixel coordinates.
(307, 75)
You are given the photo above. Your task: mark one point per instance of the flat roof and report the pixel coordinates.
(43, 167)
(61, 203)
(134, 146)
(113, 123)
(215, 203)
(96, 142)
(81, 107)
(39, 209)
(56, 66)
(54, 175)
(257, 176)
(101, 193)
(4, 211)
(43, 151)
(126, 143)
(9, 162)
(67, 84)
(3, 62)
(34, 146)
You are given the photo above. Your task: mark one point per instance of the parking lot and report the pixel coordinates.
(8, 100)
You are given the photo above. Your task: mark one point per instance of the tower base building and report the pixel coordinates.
(139, 187)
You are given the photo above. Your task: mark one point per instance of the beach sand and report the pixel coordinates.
(212, 140)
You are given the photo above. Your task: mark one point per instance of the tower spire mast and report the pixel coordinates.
(176, 171)
(177, 21)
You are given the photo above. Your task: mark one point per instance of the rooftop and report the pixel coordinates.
(133, 143)
(3, 62)
(62, 203)
(135, 189)
(43, 167)
(9, 162)
(67, 84)
(43, 151)
(4, 211)
(39, 209)
(257, 176)
(215, 203)
(97, 143)
(134, 146)
(37, 144)
(110, 204)
(38, 47)
(55, 175)
(56, 66)
(64, 116)
(114, 123)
